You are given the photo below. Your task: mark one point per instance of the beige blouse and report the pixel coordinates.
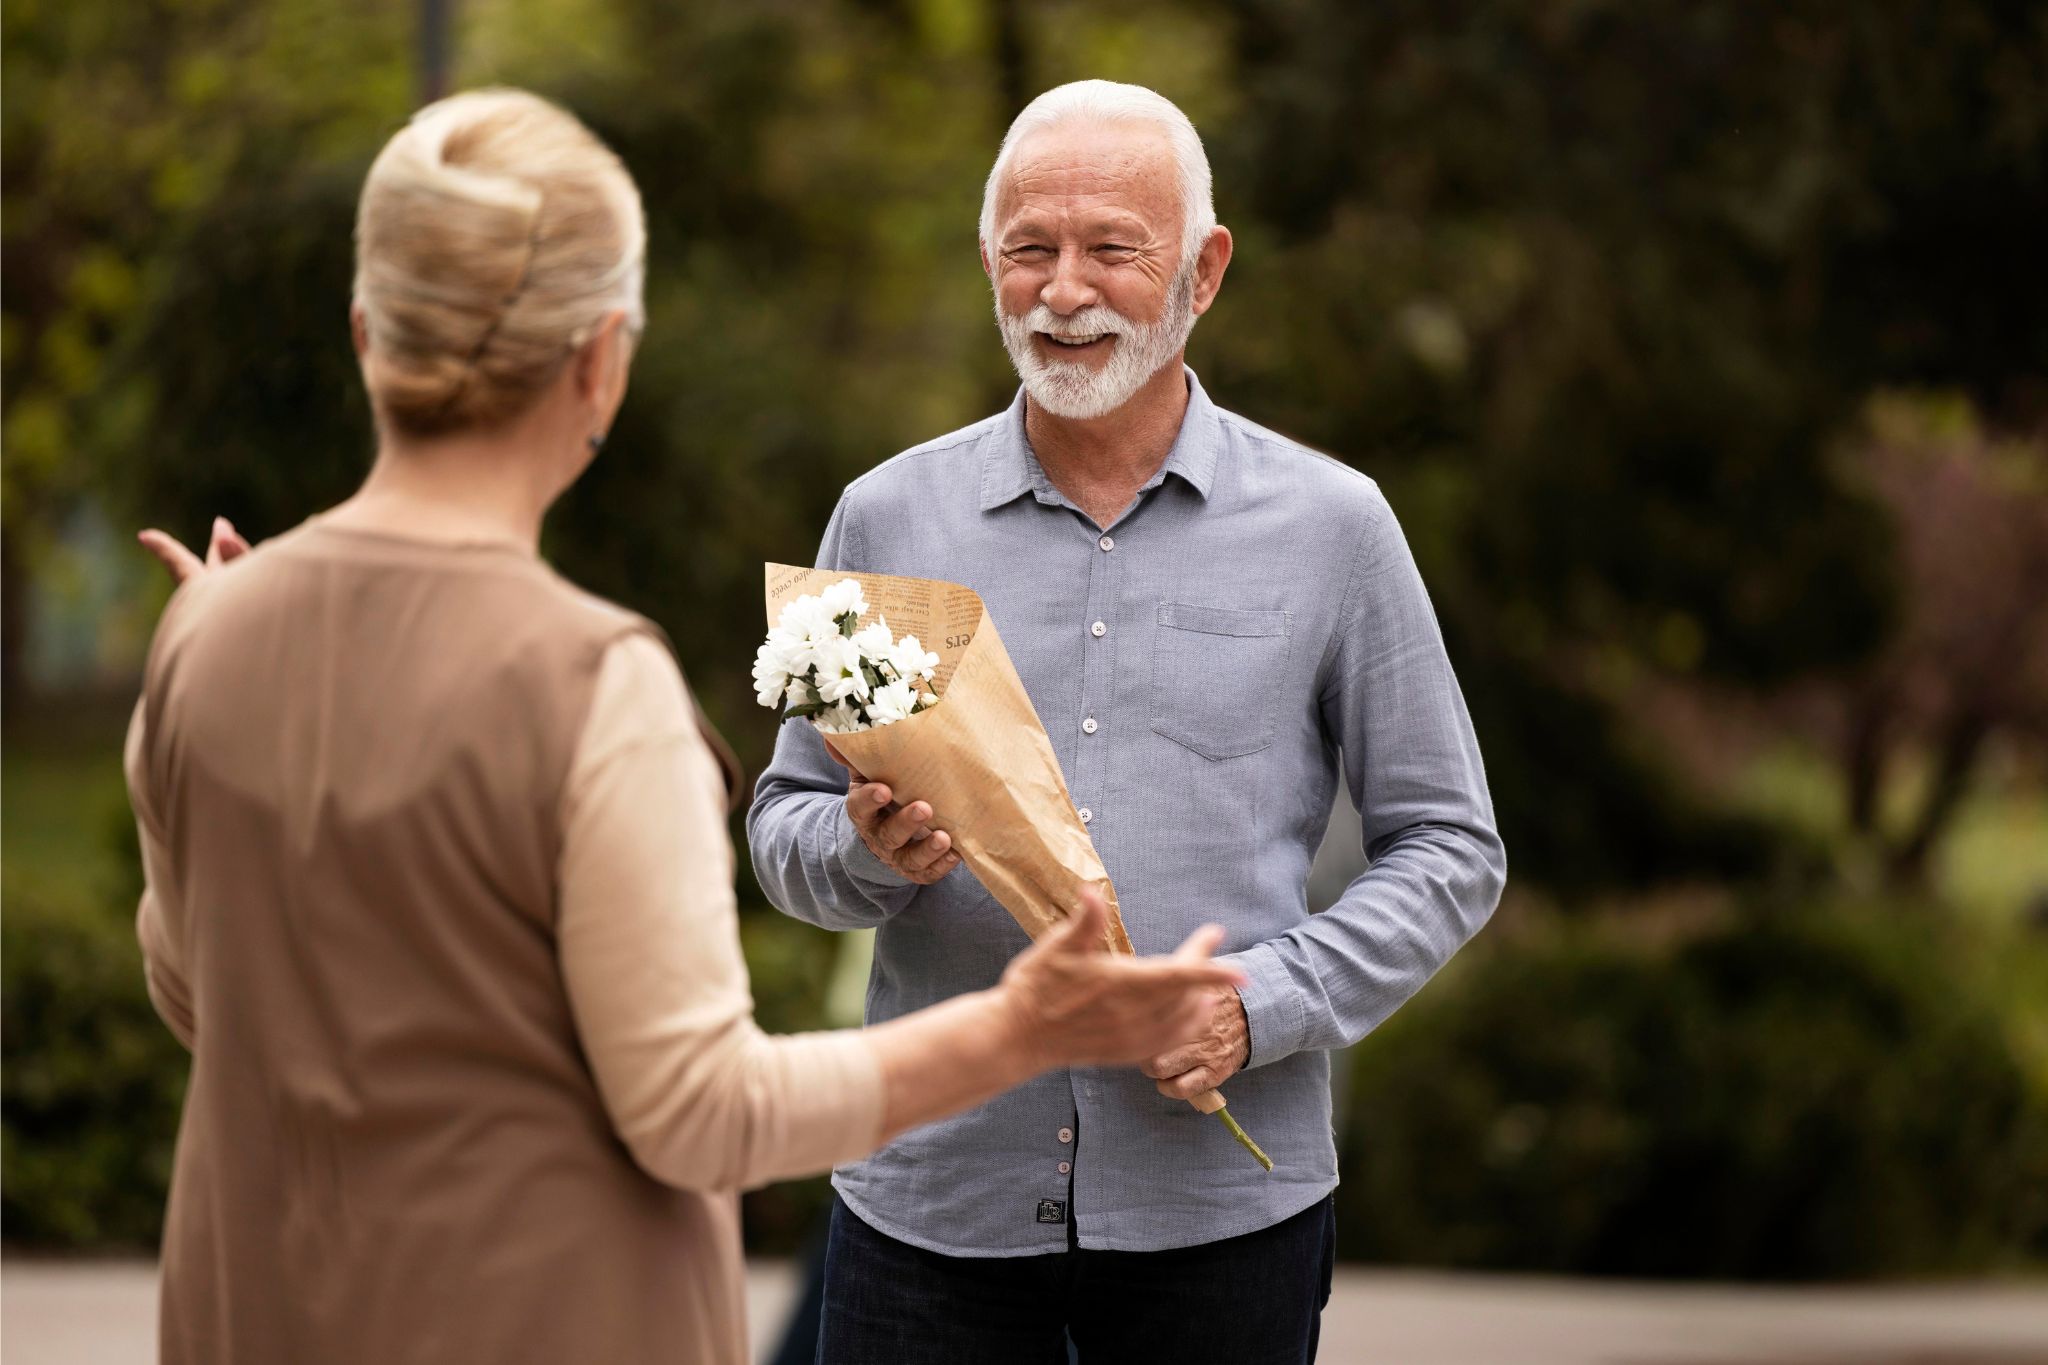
(369, 1166)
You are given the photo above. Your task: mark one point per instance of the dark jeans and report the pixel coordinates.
(1250, 1300)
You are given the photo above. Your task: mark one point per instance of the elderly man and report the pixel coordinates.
(1207, 616)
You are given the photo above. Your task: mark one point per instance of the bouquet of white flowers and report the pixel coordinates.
(955, 726)
(820, 662)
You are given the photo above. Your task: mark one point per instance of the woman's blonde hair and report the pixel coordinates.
(495, 233)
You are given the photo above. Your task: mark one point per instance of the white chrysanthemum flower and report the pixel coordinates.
(911, 660)
(839, 674)
(807, 619)
(843, 597)
(842, 719)
(892, 702)
(799, 694)
(875, 641)
(780, 658)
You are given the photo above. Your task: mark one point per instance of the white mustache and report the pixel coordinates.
(1092, 321)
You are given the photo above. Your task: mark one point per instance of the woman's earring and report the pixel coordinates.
(595, 441)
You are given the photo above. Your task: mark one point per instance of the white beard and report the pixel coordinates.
(1070, 388)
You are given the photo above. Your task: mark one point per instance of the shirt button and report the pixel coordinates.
(1066, 1135)
(1098, 630)
(1086, 815)
(1107, 542)
(1066, 1166)
(1088, 726)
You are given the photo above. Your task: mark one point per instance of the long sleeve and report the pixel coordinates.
(159, 921)
(1437, 865)
(807, 854)
(649, 940)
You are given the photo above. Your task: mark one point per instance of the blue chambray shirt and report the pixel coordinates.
(1202, 666)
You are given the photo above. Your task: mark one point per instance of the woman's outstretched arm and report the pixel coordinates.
(649, 942)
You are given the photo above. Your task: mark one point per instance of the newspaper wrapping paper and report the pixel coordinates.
(982, 750)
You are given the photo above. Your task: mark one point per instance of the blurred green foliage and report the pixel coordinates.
(1800, 1094)
(90, 1080)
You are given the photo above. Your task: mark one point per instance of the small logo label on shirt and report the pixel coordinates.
(1052, 1211)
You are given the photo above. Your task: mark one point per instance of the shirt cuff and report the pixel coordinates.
(860, 861)
(1272, 1007)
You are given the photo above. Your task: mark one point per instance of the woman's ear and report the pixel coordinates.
(359, 330)
(601, 362)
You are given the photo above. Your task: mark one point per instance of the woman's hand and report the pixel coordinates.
(227, 544)
(1064, 1001)
(1078, 1004)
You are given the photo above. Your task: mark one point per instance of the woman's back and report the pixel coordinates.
(352, 753)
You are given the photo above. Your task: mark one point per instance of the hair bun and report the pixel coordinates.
(494, 231)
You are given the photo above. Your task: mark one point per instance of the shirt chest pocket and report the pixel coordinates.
(1216, 677)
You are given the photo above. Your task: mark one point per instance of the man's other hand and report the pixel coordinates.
(1213, 1057)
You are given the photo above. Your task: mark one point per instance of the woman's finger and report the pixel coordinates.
(1200, 945)
(1172, 973)
(1082, 931)
(227, 543)
(182, 563)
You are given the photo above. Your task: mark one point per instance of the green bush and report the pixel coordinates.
(90, 1081)
(1784, 1097)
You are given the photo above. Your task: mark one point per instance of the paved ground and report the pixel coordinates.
(102, 1313)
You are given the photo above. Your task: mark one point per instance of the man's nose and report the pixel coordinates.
(1069, 290)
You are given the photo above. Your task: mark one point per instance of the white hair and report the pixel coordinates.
(1101, 102)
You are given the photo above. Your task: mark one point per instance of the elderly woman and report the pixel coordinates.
(439, 890)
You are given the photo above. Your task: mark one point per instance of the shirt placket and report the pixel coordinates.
(1098, 721)
(1098, 681)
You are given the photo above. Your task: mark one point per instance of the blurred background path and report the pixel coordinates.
(103, 1313)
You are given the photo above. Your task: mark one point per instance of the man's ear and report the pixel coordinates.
(986, 268)
(359, 330)
(1209, 268)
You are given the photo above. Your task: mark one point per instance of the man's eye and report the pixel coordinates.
(1115, 246)
(1031, 251)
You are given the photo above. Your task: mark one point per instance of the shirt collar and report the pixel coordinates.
(1009, 469)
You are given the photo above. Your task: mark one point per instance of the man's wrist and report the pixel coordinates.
(1274, 1023)
(1244, 1019)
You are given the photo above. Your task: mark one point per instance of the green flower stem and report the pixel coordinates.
(1244, 1138)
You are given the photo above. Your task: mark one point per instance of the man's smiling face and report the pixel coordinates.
(1093, 293)
(1089, 215)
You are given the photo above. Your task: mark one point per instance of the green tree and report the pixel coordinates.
(1595, 290)
(122, 122)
